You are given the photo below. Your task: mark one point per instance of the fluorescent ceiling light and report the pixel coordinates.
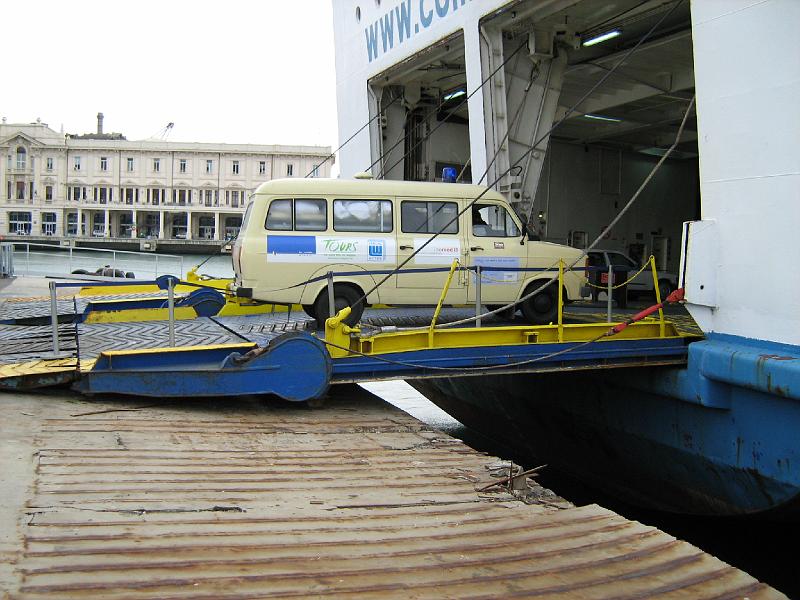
(608, 35)
(677, 154)
(602, 118)
(454, 94)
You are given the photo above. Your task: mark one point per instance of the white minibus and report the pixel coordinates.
(296, 231)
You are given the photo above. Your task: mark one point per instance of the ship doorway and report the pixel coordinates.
(423, 130)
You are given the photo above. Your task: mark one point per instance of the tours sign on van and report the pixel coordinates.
(311, 248)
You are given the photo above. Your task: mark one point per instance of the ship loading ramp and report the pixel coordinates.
(277, 353)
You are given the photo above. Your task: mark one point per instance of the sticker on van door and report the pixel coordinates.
(493, 277)
(319, 248)
(438, 252)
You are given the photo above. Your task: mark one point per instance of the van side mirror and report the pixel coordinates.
(533, 236)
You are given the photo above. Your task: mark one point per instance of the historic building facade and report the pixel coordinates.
(102, 185)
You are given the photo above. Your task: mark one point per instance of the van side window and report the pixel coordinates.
(310, 214)
(492, 220)
(279, 216)
(429, 217)
(302, 214)
(362, 215)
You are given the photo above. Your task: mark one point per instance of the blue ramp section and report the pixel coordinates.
(529, 358)
(295, 366)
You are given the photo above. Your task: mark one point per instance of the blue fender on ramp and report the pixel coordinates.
(295, 366)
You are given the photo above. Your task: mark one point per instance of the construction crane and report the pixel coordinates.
(163, 133)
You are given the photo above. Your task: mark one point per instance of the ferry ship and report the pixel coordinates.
(566, 107)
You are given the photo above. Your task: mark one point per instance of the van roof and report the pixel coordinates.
(374, 187)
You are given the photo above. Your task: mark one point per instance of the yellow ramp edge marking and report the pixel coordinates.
(167, 349)
(43, 367)
(182, 313)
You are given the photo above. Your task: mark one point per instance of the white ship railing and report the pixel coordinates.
(46, 259)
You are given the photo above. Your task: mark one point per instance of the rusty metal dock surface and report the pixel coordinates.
(254, 498)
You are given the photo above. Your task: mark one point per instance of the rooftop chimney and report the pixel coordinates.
(100, 123)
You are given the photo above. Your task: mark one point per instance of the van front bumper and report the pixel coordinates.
(243, 292)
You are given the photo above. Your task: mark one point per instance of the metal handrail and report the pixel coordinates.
(71, 249)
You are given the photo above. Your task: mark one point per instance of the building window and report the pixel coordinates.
(235, 198)
(50, 164)
(76, 163)
(157, 195)
(209, 166)
(262, 167)
(206, 228)
(128, 195)
(103, 163)
(289, 170)
(209, 198)
(48, 192)
(48, 223)
(19, 223)
(20, 190)
(130, 165)
(21, 157)
(156, 165)
(182, 165)
(315, 171)
(235, 167)
(72, 223)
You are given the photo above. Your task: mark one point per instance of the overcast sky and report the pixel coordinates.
(246, 71)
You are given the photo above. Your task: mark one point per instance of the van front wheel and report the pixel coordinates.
(343, 295)
(541, 308)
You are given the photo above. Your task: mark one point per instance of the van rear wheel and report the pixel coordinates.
(343, 295)
(541, 308)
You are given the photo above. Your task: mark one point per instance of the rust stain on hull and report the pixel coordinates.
(258, 499)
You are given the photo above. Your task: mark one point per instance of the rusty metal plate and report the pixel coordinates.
(258, 499)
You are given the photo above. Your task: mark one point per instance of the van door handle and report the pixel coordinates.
(406, 247)
(474, 248)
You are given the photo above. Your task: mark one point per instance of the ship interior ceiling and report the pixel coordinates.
(622, 128)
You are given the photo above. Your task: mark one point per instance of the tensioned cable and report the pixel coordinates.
(348, 140)
(566, 115)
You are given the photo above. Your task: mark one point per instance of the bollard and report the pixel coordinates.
(478, 296)
(331, 298)
(609, 289)
(171, 307)
(54, 316)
